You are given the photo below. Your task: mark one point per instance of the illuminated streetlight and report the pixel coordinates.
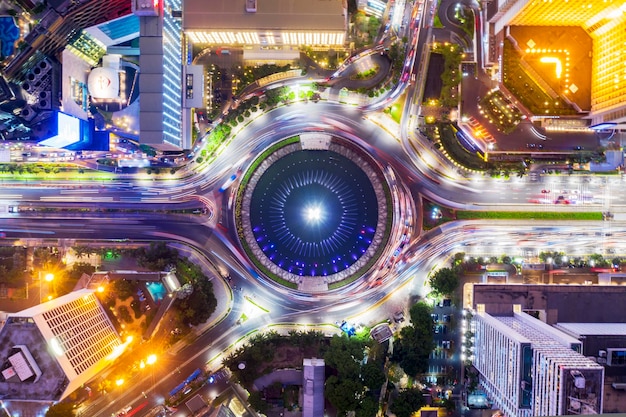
(151, 359)
(48, 278)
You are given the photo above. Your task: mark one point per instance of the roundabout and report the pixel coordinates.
(313, 211)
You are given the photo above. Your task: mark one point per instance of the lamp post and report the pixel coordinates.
(48, 278)
(150, 361)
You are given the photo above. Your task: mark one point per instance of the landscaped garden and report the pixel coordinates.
(528, 87)
(500, 111)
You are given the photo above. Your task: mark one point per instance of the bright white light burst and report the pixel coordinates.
(314, 213)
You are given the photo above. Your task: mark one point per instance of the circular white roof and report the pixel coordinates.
(104, 83)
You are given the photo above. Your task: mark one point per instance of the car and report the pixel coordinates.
(545, 191)
(398, 316)
(123, 411)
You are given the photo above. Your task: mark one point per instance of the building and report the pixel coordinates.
(528, 368)
(50, 350)
(59, 26)
(603, 21)
(266, 27)
(553, 303)
(161, 63)
(313, 378)
(605, 342)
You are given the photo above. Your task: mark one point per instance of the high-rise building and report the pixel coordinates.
(529, 368)
(60, 25)
(50, 350)
(160, 84)
(313, 387)
(604, 21)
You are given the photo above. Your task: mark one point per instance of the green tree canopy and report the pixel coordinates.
(344, 355)
(257, 402)
(61, 410)
(344, 394)
(367, 408)
(157, 257)
(372, 375)
(445, 281)
(407, 402)
(412, 348)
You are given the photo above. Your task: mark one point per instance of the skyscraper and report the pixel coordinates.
(529, 368)
(604, 21)
(160, 83)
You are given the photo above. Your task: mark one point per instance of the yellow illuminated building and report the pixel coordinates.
(604, 21)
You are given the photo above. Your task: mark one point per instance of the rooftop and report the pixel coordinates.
(593, 329)
(67, 342)
(116, 31)
(23, 331)
(270, 15)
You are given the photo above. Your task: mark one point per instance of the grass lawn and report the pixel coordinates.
(456, 151)
(536, 215)
(395, 111)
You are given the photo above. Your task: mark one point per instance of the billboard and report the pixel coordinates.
(68, 132)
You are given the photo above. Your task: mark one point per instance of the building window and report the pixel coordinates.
(189, 86)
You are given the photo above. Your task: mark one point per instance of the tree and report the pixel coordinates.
(344, 393)
(412, 348)
(257, 402)
(157, 257)
(407, 402)
(367, 408)
(598, 260)
(421, 320)
(344, 355)
(445, 281)
(61, 410)
(372, 375)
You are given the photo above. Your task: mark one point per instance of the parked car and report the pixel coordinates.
(398, 316)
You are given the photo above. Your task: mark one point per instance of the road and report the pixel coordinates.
(403, 150)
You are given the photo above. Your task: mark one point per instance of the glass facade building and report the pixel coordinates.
(172, 74)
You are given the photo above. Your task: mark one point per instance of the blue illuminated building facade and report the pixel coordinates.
(160, 84)
(172, 74)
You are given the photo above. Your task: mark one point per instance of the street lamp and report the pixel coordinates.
(48, 278)
(151, 360)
